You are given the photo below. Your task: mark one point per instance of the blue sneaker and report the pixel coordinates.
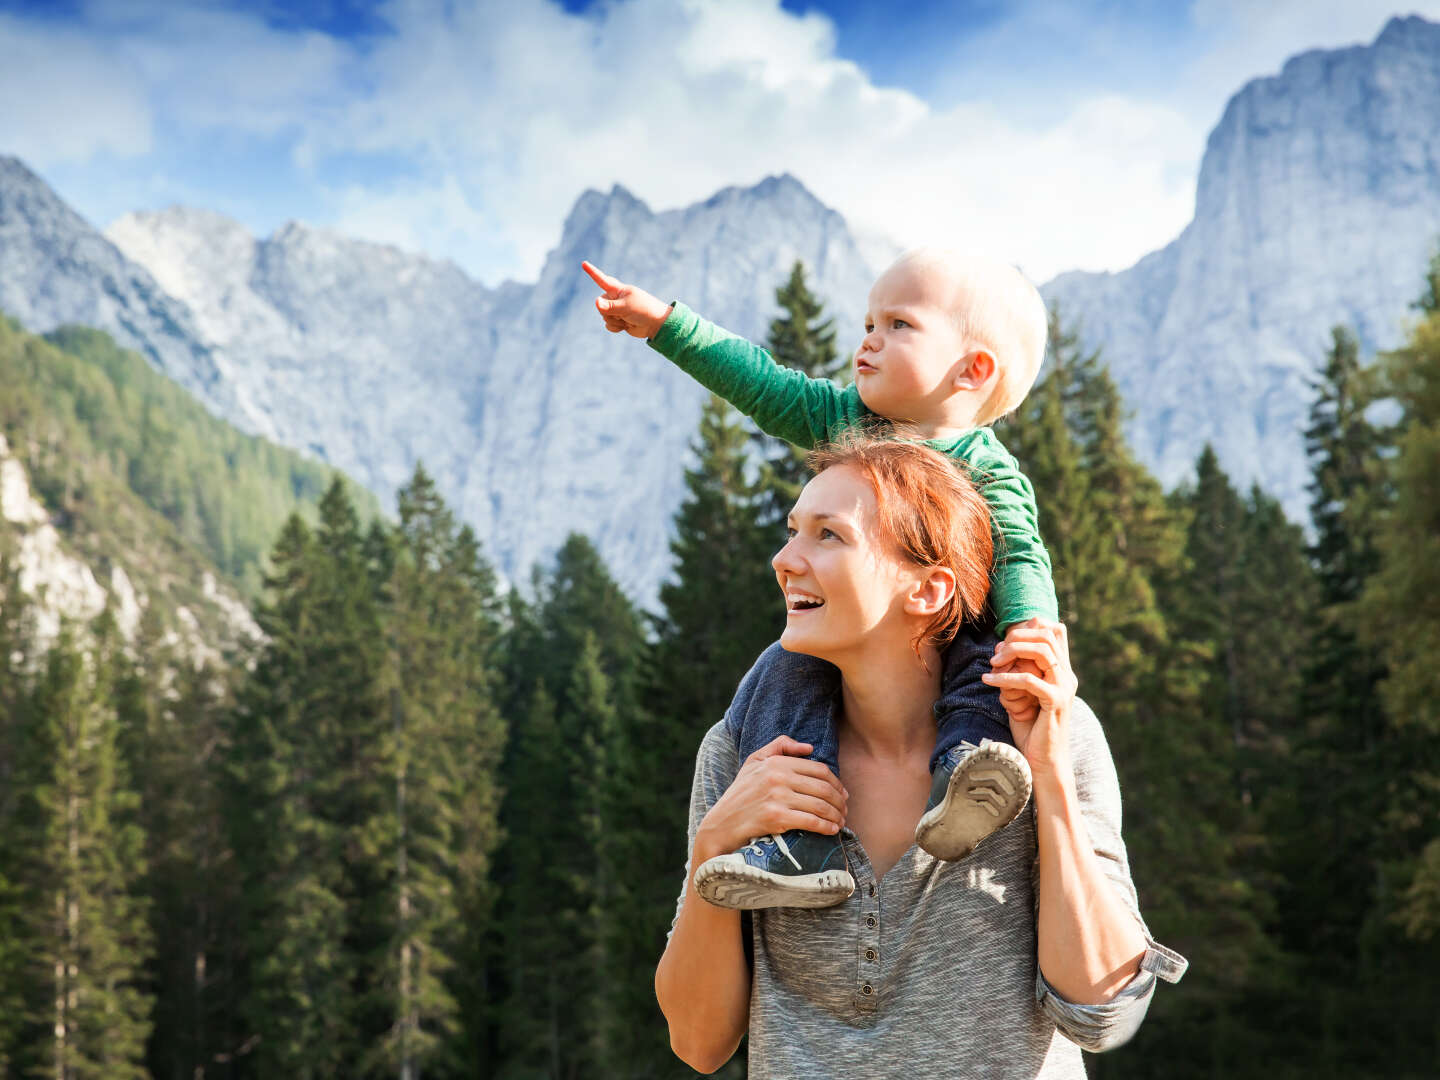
(976, 790)
(793, 869)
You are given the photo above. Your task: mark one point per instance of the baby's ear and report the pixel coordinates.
(975, 370)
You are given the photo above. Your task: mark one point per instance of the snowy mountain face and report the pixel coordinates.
(533, 420)
(1318, 203)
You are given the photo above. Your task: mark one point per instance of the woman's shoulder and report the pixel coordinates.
(716, 763)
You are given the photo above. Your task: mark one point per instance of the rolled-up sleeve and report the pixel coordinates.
(1111, 1023)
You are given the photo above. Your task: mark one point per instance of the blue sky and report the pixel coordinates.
(1058, 134)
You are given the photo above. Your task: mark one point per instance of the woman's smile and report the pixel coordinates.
(797, 602)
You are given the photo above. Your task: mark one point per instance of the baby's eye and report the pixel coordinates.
(869, 328)
(898, 323)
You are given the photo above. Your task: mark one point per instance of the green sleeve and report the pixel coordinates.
(1022, 584)
(783, 402)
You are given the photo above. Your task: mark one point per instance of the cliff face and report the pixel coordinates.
(1318, 203)
(533, 420)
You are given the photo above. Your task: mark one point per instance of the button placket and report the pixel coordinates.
(867, 988)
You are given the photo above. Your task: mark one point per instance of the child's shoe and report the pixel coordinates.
(977, 789)
(793, 869)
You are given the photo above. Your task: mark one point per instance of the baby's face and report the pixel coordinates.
(911, 346)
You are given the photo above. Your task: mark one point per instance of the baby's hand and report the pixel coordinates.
(1020, 705)
(624, 307)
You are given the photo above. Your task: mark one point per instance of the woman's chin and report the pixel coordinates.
(796, 639)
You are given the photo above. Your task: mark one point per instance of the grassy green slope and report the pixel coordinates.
(128, 463)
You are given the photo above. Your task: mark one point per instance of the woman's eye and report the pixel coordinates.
(789, 532)
(827, 533)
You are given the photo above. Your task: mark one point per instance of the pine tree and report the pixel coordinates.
(800, 338)
(1399, 611)
(446, 741)
(80, 861)
(304, 788)
(545, 865)
(1328, 868)
(16, 646)
(171, 724)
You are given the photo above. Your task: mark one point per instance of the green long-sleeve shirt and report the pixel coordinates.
(806, 412)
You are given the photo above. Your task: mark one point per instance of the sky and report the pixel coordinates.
(1058, 135)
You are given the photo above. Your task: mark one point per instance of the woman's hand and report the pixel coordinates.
(776, 789)
(1044, 740)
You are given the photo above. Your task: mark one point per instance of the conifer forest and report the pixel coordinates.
(431, 827)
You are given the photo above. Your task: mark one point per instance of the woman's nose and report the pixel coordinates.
(786, 560)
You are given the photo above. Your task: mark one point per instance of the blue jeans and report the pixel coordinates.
(793, 694)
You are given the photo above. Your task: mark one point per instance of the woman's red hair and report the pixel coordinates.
(929, 509)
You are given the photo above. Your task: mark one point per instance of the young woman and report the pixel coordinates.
(1003, 964)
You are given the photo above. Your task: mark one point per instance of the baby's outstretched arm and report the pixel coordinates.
(626, 308)
(782, 401)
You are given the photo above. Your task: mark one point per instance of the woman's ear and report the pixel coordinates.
(933, 589)
(975, 370)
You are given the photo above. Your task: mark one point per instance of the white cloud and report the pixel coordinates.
(496, 116)
(66, 96)
(676, 98)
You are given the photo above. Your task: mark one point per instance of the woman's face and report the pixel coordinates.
(843, 584)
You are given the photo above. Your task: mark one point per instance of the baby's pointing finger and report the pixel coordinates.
(604, 280)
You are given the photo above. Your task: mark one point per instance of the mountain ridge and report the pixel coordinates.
(1317, 201)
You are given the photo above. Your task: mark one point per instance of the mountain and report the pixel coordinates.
(533, 420)
(1318, 203)
(118, 488)
(56, 270)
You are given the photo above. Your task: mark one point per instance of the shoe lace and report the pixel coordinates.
(754, 846)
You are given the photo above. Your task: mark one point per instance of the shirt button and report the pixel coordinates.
(872, 888)
(867, 990)
(870, 921)
(870, 954)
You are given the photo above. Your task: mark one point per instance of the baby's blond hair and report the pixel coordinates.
(997, 308)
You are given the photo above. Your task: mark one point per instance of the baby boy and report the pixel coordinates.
(952, 343)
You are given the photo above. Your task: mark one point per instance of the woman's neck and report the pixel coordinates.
(889, 699)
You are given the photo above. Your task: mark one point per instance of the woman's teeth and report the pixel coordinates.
(798, 601)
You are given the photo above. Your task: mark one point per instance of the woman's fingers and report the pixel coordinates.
(782, 744)
(1032, 684)
(815, 786)
(809, 804)
(818, 771)
(799, 819)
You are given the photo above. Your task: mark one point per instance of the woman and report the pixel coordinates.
(980, 967)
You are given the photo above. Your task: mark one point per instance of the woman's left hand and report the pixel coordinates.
(1043, 740)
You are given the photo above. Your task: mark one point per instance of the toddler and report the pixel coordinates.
(952, 343)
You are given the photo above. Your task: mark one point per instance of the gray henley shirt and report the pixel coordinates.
(931, 971)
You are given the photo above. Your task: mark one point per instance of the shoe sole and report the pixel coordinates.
(985, 794)
(744, 888)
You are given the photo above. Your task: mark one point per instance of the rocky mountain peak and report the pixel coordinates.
(1318, 203)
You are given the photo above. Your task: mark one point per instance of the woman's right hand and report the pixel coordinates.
(777, 788)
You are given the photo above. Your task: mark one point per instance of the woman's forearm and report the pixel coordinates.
(1090, 945)
(703, 981)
